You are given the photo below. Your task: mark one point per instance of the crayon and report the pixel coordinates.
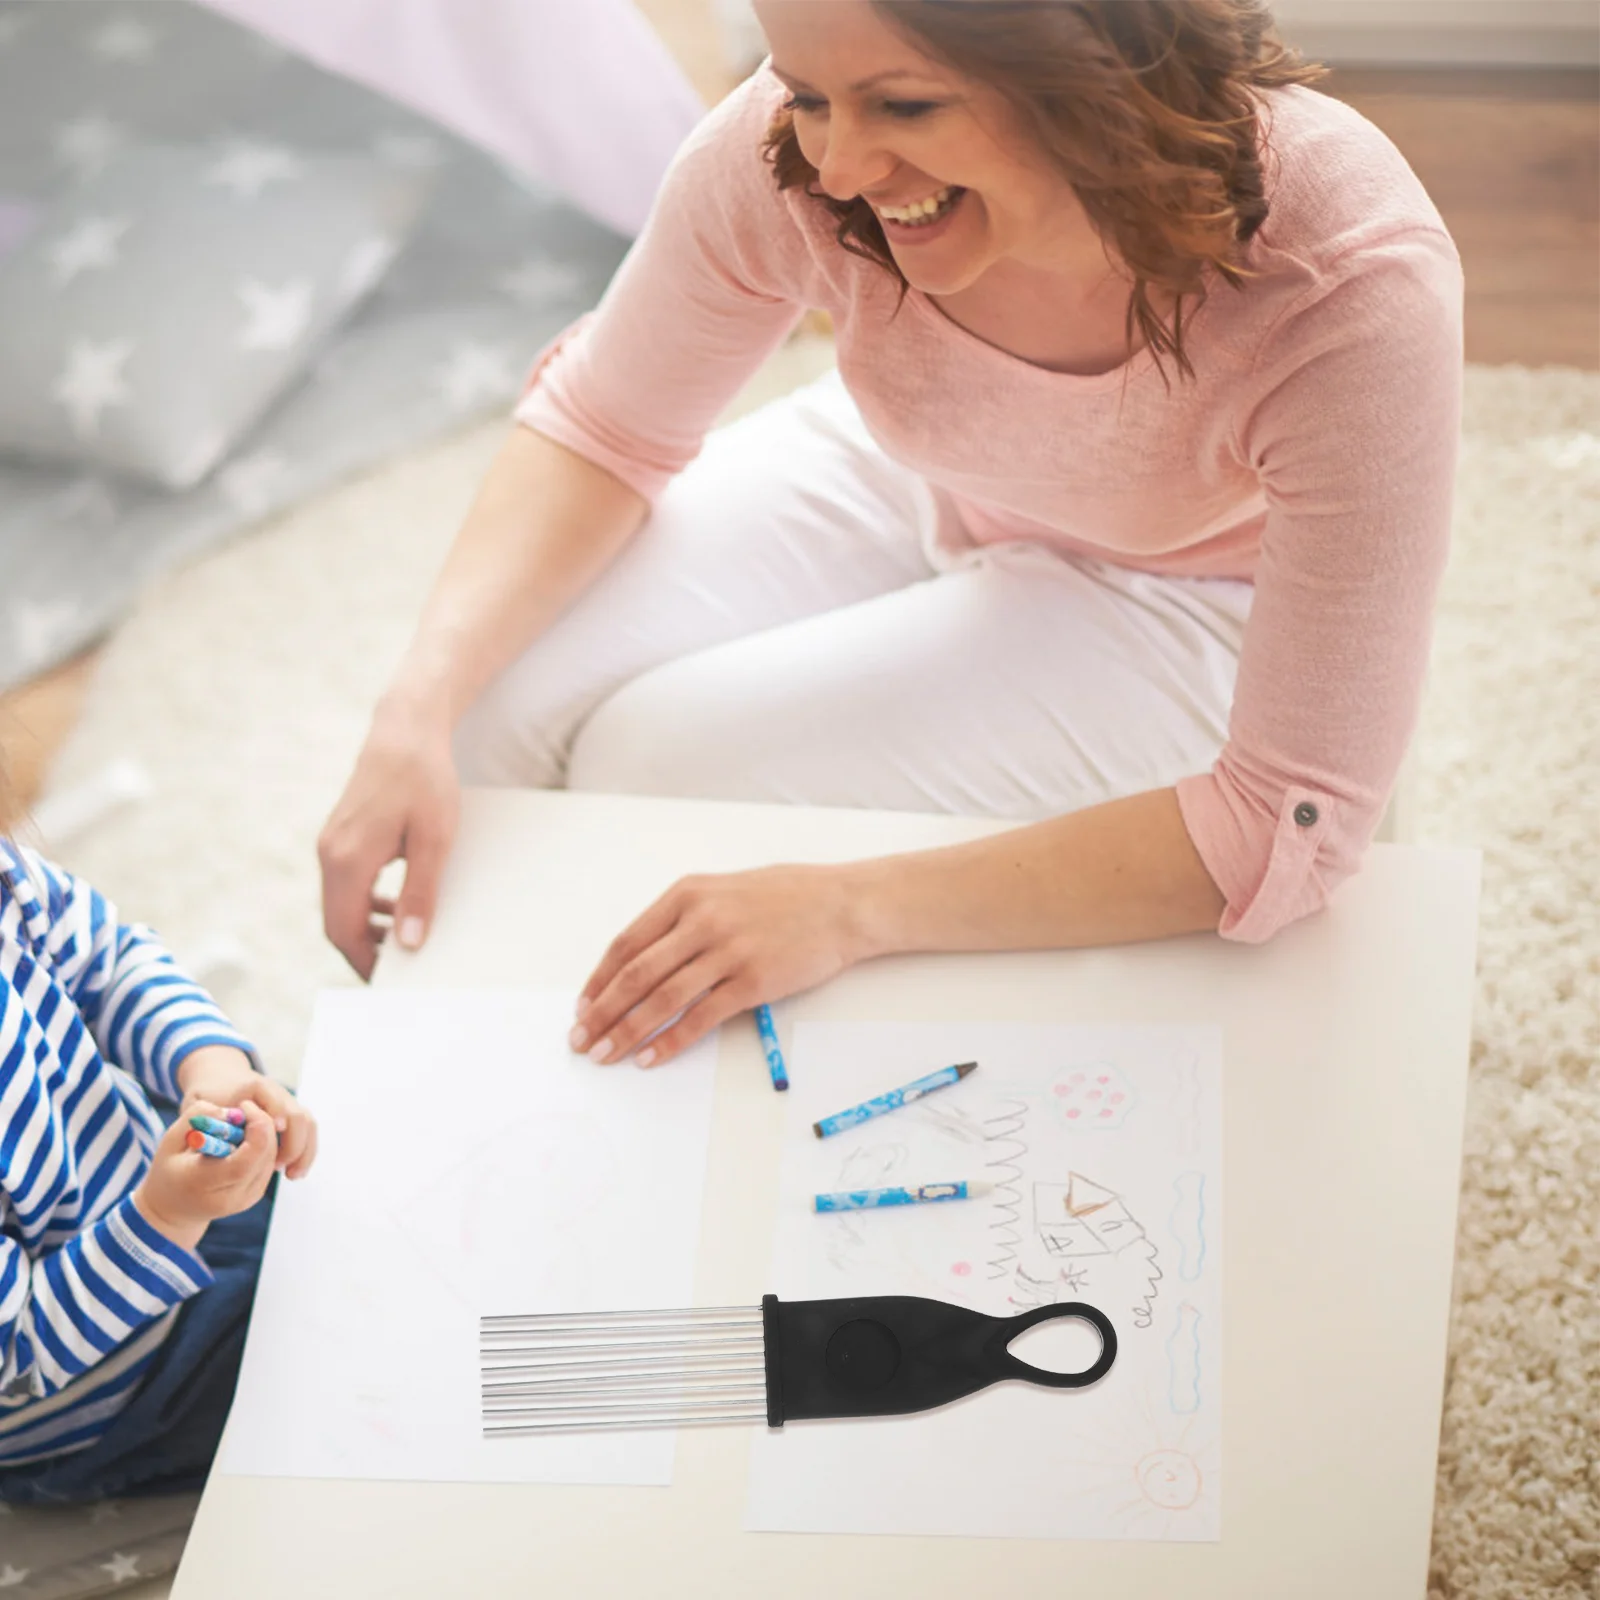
(229, 1131)
(769, 1041)
(206, 1145)
(892, 1101)
(922, 1194)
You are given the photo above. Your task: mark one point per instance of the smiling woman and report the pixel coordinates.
(1147, 112)
(1122, 517)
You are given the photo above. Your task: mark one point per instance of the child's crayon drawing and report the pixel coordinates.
(1120, 1209)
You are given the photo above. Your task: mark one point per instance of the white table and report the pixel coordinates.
(1345, 1055)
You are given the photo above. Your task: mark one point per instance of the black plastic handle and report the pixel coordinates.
(997, 1349)
(885, 1355)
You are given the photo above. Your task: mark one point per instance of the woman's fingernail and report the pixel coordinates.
(411, 933)
(601, 1051)
(578, 1038)
(646, 1056)
(583, 1004)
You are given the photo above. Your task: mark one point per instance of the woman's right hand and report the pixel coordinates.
(402, 801)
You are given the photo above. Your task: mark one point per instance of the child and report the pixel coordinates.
(128, 1261)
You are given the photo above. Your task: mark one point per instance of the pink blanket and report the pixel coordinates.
(582, 95)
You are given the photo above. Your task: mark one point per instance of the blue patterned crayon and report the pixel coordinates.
(922, 1194)
(769, 1042)
(892, 1101)
(206, 1145)
(218, 1129)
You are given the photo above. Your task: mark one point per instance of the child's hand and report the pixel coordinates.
(185, 1191)
(225, 1077)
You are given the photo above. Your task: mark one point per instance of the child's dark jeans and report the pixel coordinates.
(164, 1439)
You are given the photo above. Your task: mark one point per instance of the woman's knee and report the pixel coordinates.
(646, 740)
(496, 744)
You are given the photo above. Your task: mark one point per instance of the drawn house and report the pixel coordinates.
(1075, 1222)
(1079, 1218)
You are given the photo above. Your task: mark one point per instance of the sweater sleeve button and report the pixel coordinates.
(1305, 814)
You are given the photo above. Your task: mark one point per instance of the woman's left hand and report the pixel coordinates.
(227, 1077)
(709, 948)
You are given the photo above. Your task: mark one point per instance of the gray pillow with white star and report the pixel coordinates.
(155, 311)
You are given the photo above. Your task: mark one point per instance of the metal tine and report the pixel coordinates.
(615, 1319)
(664, 1385)
(627, 1336)
(612, 1362)
(554, 1330)
(603, 1408)
(688, 1313)
(504, 1382)
(570, 1414)
(571, 1361)
(619, 1425)
(615, 1370)
(621, 1372)
(604, 1354)
(625, 1311)
(711, 1341)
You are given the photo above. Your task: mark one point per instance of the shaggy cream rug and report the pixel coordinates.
(242, 687)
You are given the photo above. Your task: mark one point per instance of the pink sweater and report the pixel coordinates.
(1314, 454)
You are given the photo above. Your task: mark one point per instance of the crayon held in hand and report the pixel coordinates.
(921, 1194)
(229, 1130)
(769, 1043)
(206, 1145)
(892, 1101)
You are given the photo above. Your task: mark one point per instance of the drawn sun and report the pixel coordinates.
(1149, 1474)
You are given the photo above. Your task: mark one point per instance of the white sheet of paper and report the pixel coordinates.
(1104, 1144)
(468, 1164)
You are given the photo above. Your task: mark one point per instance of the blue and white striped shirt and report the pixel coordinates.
(92, 1014)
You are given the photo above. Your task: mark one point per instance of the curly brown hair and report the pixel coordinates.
(1148, 108)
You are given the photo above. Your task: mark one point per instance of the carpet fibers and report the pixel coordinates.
(243, 683)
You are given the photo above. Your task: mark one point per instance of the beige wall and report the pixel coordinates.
(1563, 33)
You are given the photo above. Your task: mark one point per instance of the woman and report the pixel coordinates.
(1126, 510)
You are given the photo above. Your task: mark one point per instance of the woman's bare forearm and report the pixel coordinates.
(1115, 873)
(544, 525)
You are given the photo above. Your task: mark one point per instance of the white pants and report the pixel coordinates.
(803, 620)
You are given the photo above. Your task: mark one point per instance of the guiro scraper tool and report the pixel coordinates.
(781, 1361)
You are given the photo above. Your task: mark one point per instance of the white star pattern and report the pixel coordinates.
(12, 1576)
(123, 40)
(86, 144)
(92, 243)
(120, 1567)
(275, 318)
(476, 374)
(539, 279)
(250, 482)
(44, 626)
(247, 169)
(365, 265)
(415, 150)
(91, 381)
